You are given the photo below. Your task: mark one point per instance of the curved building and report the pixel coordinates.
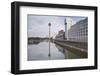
(79, 31)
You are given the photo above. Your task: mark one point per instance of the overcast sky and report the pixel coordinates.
(38, 24)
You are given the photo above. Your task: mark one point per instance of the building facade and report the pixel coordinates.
(79, 31)
(60, 35)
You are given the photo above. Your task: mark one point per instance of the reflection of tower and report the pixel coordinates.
(68, 24)
(49, 37)
(49, 49)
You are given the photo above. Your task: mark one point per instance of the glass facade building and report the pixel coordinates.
(79, 31)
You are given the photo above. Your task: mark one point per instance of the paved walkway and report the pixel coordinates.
(76, 45)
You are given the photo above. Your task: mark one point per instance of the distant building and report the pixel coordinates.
(79, 31)
(60, 35)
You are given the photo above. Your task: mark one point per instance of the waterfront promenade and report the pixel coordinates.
(82, 46)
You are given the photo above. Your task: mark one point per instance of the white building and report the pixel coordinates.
(76, 33)
(68, 24)
(79, 31)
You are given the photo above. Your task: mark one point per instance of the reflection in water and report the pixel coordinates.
(47, 50)
(71, 54)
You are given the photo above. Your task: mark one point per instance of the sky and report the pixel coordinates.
(38, 24)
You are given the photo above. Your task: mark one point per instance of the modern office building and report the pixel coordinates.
(79, 31)
(75, 33)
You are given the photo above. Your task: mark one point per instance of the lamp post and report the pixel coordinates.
(49, 24)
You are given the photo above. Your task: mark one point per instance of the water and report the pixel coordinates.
(50, 51)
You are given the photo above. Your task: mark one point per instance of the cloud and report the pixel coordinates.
(38, 24)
